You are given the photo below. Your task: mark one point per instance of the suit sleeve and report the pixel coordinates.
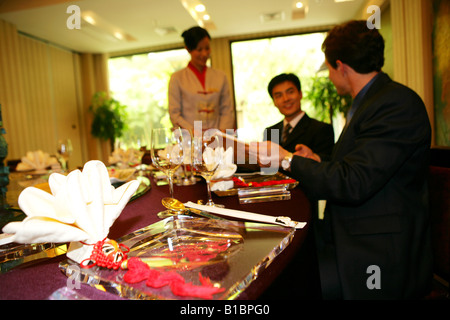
(370, 152)
(325, 142)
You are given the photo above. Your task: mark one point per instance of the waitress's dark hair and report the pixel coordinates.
(193, 36)
(354, 44)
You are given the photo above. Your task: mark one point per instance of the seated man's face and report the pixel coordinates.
(286, 98)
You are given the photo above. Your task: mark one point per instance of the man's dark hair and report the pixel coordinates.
(354, 44)
(193, 36)
(283, 78)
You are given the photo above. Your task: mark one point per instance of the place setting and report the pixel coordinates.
(35, 172)
(197, 250)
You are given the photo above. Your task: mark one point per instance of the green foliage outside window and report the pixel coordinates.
(325, 99)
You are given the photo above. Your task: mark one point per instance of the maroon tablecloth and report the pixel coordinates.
(39, 281)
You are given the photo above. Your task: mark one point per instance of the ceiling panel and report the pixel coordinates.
(161, 22)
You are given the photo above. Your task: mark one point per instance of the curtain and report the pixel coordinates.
(94, 78)
(12, 97)
(45, 93)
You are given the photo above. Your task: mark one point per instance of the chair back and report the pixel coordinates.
(439, 197)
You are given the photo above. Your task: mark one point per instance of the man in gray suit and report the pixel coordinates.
(374, 239)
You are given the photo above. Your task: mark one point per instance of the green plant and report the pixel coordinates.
(109, 117)
(325, 99)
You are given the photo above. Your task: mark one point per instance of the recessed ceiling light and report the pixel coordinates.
(103, 28)
(300, 9)
(198, 11)
(200, 8)
(89, 19)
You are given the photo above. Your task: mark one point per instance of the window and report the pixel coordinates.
(140, 82)
(256, 62)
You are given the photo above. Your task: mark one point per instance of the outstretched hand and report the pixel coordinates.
(304, 151)
(267, 153)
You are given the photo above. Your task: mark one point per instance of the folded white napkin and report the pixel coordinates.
(125, 158)
(222, 185)
(82, 206)
(36, 160)
(225, 170)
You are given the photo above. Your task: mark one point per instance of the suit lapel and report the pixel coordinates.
(299, 129)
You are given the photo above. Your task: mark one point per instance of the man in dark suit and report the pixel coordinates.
(286, 93)
(374, 239)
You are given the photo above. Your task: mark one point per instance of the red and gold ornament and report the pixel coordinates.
(107, 254)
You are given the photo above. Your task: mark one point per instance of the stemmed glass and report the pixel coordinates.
(188, 179)
(167, 155)
(64, 149)
(205, 160)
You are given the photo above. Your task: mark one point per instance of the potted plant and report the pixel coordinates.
(109, 117)
(325, 99)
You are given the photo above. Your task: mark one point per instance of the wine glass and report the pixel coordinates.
(64, 150)
(205, 160)
(188, 178)
(167, 155)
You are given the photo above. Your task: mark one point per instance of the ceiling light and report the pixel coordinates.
(200, 8)
(89, 19)
(300, 9)
(194, 7)
(98, 26)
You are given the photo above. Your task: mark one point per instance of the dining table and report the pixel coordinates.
(291, 273)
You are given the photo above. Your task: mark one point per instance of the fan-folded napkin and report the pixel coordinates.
(36, 160)
(125, 158)
(82, 207)
(225, 169)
